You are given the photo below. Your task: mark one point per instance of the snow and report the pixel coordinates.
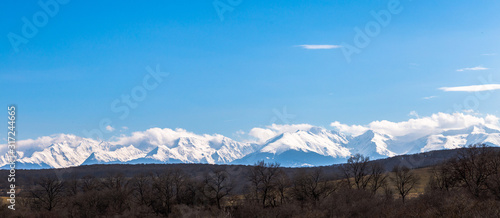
(304, 146)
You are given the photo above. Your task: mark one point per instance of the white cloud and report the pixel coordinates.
(422, 126)
(40, 143)
(353, 130)
(153, 136)
(492, 120)
(429, 97)
(110, 128)
(264, 134)
(320, 46)
(472, 68)
(410, 129)
(413, 114)
(123, 128)
(468, 111)
(474, 88)
(489, 54)
(157, 136)
(261, 134)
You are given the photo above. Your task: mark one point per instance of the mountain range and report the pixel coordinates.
(312, 146)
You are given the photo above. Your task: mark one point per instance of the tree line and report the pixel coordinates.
(467, 185)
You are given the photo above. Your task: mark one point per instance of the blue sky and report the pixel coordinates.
(234, 73)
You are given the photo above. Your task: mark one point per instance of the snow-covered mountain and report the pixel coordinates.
(305, 146)
(457, 138)
(316, 146)
(371, 144)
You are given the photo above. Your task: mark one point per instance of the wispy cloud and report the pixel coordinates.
(475, 88)
(320, 46)
(468, 111)
(489, 54)
(429, 97)
(123, 129)
(413, 114)
(110, 128)
(473, 68)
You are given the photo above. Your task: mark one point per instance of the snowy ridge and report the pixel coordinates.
(302, 146)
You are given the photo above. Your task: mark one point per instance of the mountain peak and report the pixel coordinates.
(476, 129)
(290, 147)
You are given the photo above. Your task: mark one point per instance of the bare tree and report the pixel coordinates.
(48, 193)
(378, 178)
(357, 170)
(282, 183)
(114, 181)
(90, 183)
(72, 186)
(141, 187)
(192, 191)
(493, 181)
(311, 186)
(443, 177)
(163, 192)
(116, 192)
(217, 185)
(263, 177)
(404, 180)
(472, 168)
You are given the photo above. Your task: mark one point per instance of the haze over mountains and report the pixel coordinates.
(290, 145)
